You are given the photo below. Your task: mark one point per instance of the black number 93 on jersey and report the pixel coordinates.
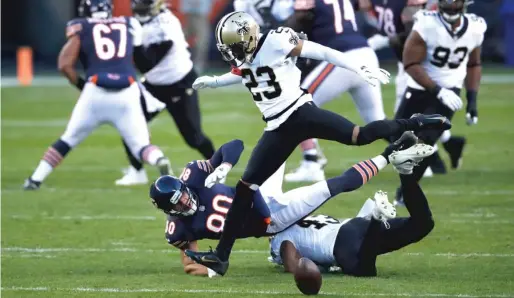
(444, 56)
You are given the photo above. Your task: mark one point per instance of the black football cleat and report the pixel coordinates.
(30, 184)
(407, 140)
(454, 147)
(434, 121)
(208, 259)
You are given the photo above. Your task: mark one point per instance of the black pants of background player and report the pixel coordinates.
(182, 104)
(275, 146)
(420, 101)
(378, 240)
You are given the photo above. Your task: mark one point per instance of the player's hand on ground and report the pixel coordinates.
(204, 82)
(450, 99)
(471, 113)
(219, 174)
(372, 74)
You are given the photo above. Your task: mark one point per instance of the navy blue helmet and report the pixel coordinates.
(173, 197)
(98, 9)
(452, 10)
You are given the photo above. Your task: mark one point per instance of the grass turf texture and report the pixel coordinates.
(98, 240)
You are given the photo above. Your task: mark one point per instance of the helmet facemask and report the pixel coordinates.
(145, 10)
(452, 10)
(173, 197)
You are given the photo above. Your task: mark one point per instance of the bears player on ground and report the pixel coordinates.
(355, 243)
(196, 206)
(332, 24)
(109, 93)
(267, 68)
(441, 54)
(168, 71)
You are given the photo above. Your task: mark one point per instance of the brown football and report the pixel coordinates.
(307, 277)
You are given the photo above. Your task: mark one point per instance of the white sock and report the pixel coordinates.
(153, 154)
(42, 171)
(445, 137)
(380, 162)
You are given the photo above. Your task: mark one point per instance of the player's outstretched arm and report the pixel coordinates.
(312, 50)
(223, 160)
(230, 78)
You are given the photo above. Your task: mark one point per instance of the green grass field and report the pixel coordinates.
(80, 236)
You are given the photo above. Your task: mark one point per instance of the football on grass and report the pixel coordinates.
(308, 277)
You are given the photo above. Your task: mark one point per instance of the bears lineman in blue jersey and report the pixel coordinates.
(109, 92)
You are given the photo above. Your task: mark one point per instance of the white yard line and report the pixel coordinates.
(254, 292)
(42, 250)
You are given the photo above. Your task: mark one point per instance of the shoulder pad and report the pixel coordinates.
(479, 24)
(284, 35)
(424, 14)
(74, 27)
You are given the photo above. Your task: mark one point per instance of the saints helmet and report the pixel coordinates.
(237, 34)
(173, 197)
(452, 10)
(97, 9)
(145, 10)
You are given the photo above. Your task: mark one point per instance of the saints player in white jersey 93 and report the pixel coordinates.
(354, 244)
(266, 64)
(168, 74)
(441, 55)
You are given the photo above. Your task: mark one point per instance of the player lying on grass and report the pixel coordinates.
(196, 205)
(354, 244)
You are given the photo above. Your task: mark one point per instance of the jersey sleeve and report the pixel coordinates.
(479, 28)
(176, 233)
(195, 172)
(241, 5)
(304, 4)
(74, 27)
(284, 39)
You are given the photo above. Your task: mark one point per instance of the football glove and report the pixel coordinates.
(371, 74)
(219, 174)
(204, 82)
(471, 108)
(450, 99)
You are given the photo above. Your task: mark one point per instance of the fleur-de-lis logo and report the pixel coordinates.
(294, 39)
(243, 29)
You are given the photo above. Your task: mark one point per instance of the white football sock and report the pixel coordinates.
(42, 171)
(380, 162)
(153, 155)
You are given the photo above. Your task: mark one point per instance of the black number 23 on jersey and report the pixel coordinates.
(261, 71)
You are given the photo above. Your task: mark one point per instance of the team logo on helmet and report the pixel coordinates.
(243, 29)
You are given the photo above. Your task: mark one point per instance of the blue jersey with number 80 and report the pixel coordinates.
(106, 47)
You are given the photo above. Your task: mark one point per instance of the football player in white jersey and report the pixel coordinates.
(168, 75)
(354, 244)
(269, 14)
(441, 54)
(266, 64)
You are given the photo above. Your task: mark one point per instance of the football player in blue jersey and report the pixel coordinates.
(109, 92)
(332, 23)
(196, 205)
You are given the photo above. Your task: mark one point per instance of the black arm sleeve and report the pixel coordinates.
(146, 59)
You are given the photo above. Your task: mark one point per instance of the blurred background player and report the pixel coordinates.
(394, 20)
(355, 243)
(198, 29)
(269, 14)
(168, 72)
(441, 54)
(333, 24)
(109, 93)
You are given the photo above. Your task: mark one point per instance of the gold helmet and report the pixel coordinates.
(237, 34)
(145, 10)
